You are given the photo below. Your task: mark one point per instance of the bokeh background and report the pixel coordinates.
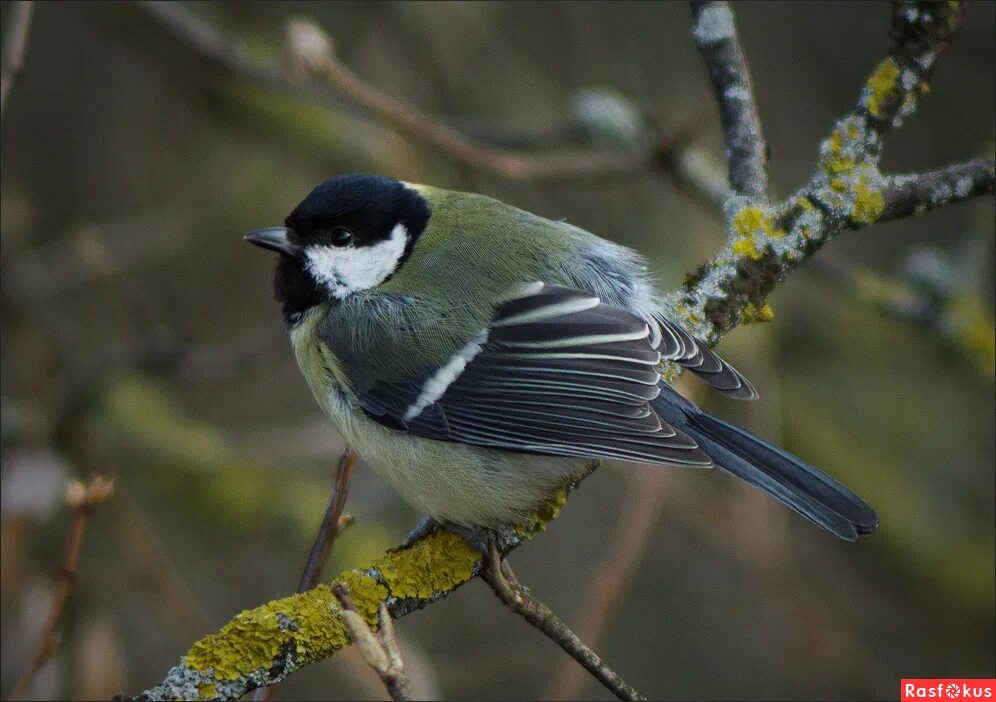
(140, 338)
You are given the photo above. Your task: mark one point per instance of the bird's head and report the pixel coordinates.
(351, 233)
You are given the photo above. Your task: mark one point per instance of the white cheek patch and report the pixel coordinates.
(343, 271)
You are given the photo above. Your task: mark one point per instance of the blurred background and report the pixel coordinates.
(140, 339)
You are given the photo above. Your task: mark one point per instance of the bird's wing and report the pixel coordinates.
(554, 372)
(687, 351)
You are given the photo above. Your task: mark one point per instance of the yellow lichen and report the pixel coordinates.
(746, 246)
(437, 563)
(256, 638)
(868, 203)
(207, 691)
(753, 314)
(803, 204)
(752, 224)
(835, 160)
(881, 85)
(365, 592)
(750, 219)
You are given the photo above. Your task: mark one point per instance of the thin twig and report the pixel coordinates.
(332, 525)
(746, 151)
(313, 52)
(82, 500)
(381, 651)
(638, 515)
(15, 42)
(501, 579)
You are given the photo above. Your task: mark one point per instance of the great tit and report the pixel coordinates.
(477, 355)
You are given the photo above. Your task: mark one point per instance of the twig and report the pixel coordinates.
(381, 651)
(15, 43)
(332, 525)
(746, 153)
(313, 52)
(499, 576)
(637, 517)
(918, 193)
(82, 500)
(249, 653)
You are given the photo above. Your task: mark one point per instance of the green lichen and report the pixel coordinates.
(836, 159)
(749, 220)
(545, 513)
(306, 625)
(849, 183)
(868, 203)
(437, 563)
(752, 225)
(881, 86)
(686, 312)
(753, 314)
(366, 594)
(747, 246)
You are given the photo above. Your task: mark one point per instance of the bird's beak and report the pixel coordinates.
(273, 238)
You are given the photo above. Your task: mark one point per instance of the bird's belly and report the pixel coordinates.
(456, 482)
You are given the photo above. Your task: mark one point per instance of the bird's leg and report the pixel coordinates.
(426, 525)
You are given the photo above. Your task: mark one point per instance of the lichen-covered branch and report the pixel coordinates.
(261, 646)
(847, 190)
(746, 153)
(917, 193)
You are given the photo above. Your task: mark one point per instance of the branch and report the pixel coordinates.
(746, 152)
(918, 193)
(15, 43)
(847, 190)
(509, 591)
(82, 500)
(333, 522)
(636, 519)
(312, 53)
(263, 645)
(380, 652)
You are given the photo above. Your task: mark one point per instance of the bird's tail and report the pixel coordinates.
(790, 480)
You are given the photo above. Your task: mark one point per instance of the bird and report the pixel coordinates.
(477, 356)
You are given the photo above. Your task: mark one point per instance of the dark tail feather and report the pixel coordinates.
(806, 489)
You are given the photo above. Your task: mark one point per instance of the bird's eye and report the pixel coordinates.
(341, 236)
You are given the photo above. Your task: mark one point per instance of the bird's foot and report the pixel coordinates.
(481, 539)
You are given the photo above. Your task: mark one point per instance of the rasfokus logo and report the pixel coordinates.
(968, 689)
